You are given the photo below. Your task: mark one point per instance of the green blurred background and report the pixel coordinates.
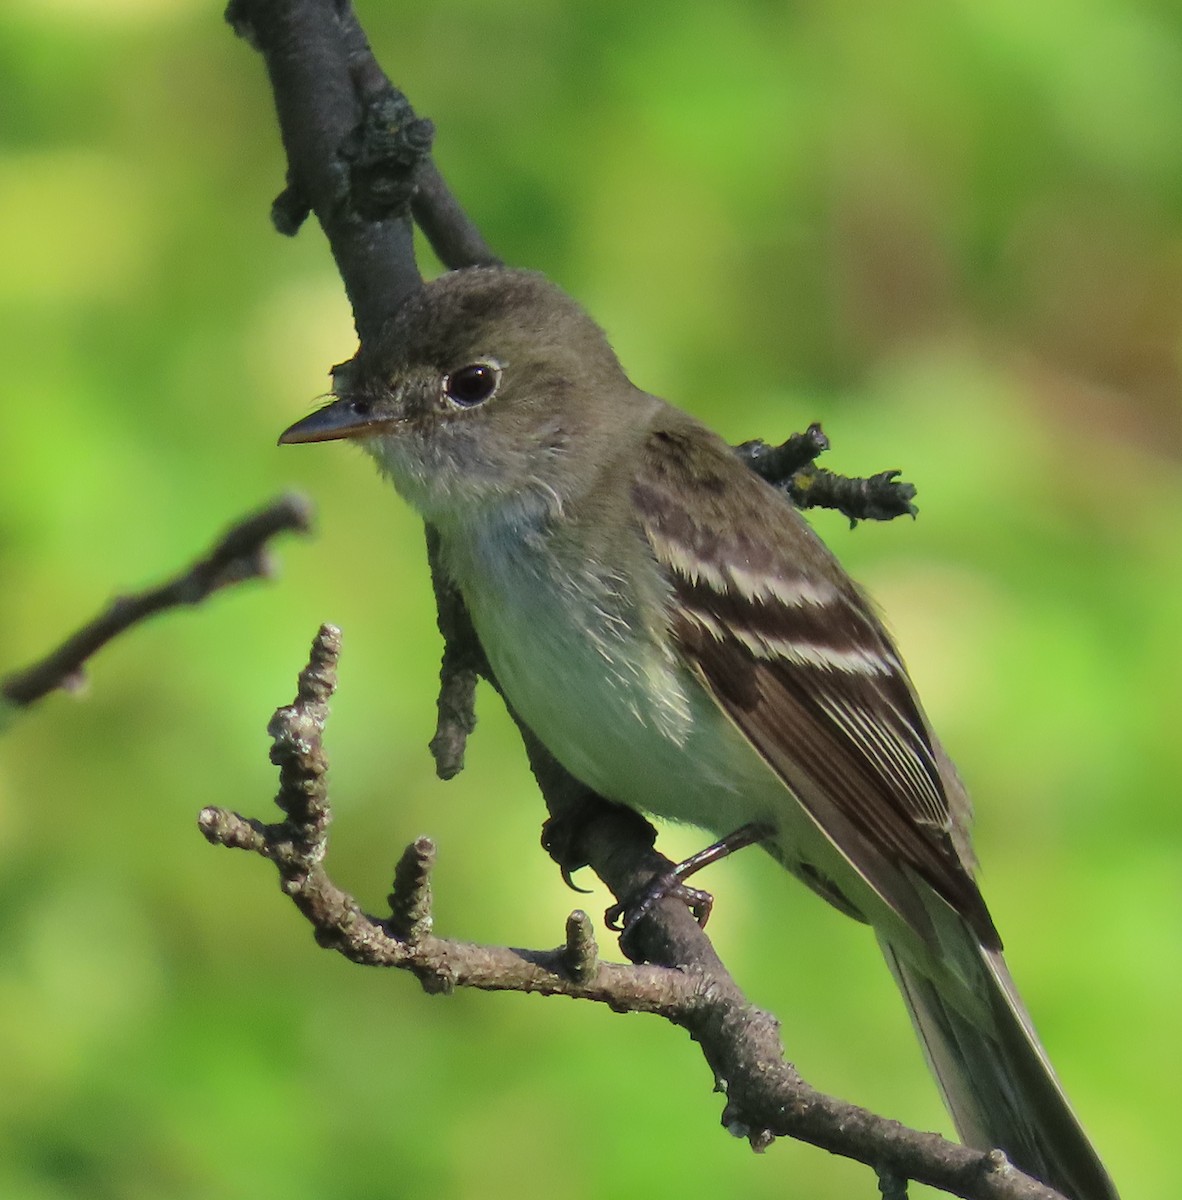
(951, 231)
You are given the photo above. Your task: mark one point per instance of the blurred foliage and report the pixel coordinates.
(950, 231)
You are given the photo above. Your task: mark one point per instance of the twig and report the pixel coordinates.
(766, 1098)
(463, 661)
(452, 233)
(239, 555)
(792, 468)
(881, 497)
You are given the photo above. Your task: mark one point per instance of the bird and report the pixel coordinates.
(683, 643)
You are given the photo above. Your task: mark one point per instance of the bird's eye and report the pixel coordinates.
(472, 385)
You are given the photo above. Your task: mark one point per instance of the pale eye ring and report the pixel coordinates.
(472, 385)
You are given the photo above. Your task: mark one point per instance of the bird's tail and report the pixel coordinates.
(995, 1076)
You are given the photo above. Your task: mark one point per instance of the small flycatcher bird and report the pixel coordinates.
(682, 642)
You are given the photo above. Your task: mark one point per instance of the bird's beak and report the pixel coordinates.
(340, 419)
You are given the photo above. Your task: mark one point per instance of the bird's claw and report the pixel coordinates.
(622, 917)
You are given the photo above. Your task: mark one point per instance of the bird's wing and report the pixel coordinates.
(791, 651)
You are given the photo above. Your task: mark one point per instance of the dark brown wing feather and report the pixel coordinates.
(793, 654)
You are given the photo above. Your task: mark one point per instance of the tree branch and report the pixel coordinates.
(240, 554)
(310, 49)
(766, 1097)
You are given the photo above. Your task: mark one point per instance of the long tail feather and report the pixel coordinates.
(995, 1076)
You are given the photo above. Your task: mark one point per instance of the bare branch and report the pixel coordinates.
(453, 237)
(452, 233)
(766, 1098)
(311, 51)
(463, 662)
(239, 555)
(792, 467)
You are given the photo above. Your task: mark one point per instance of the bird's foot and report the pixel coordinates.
(623, 916)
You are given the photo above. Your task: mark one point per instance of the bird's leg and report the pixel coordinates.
(621, 917)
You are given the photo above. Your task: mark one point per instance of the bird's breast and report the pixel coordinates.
(598, 683)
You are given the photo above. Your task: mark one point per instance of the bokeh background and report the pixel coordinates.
(951, 231)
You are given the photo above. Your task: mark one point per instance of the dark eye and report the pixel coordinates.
(472, 385)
